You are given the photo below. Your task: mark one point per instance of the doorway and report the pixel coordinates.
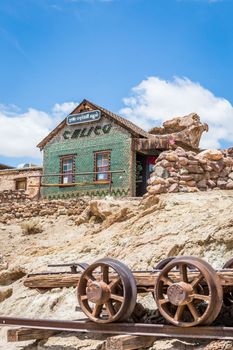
(144, 167)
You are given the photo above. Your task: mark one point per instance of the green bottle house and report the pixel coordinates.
(95, 152)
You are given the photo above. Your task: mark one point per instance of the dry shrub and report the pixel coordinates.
(31, 227)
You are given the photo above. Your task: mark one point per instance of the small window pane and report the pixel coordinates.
(21, 184)
(102, 164)
(67, 168)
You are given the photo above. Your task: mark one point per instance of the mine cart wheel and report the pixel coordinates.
(83, 266)
(228, 296)
(188, 292)
(163, 263)
(228, 264)
(107, 291)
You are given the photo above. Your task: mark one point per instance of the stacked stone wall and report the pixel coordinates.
(9, 196)
(186, 171)
(21, 211)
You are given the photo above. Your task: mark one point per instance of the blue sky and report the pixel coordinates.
(116, 53)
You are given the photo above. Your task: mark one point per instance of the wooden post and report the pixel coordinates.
(128, 342)
(39, 189)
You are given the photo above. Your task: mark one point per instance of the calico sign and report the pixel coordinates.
(85, 117)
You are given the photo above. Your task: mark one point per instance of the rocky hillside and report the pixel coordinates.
(138, 233)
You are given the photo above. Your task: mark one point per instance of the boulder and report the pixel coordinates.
(155, 180)
(187, 129)
(172, 157)
(210, 154)
(9, 276)
(160, 172)
(192, 189)
(180, 152)
(229, 184)
(167, 164)
(173, 188)
(202, 184)
(211, 183)
(157, 189)
(187, 177)
(196, 169)
(5, 293)
(221, 183)
(171, 180)
(183, 161)
(191, 183)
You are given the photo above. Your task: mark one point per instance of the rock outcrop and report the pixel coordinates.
(184, 131)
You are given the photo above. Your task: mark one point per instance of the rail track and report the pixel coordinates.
(141, 329)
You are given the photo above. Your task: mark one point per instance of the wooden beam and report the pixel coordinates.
(152, 143)
(128, 342)
(143, 279)
(71, 280)
(25, 334)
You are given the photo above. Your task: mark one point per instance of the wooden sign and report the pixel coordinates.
(85, 117)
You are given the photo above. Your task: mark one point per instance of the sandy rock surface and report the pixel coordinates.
(199, 224)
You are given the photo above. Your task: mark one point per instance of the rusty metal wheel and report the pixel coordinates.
(228, 296)
(188, 292)
(107, 291)
(228, 264)
(161, 264)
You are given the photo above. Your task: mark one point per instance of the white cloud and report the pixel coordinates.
(21, 132)
(61, 109)
(155, 100)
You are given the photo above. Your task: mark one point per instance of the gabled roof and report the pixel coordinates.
(131, 127)
(3, 166)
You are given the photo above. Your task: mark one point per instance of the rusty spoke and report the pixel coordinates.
(179, 312)
(167, 280)
(183, 272)
(105, 273)
(193, 311)
(110, 309)
(97, 310)
(201, 297)
(117, 297)
(197, 280)
(89, 277)
(164, 301)
(114, 283)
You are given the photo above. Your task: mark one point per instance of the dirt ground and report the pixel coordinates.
(140, 235)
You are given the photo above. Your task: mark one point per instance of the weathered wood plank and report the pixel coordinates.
(25, 334)
(128, 342)
(143, 279)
